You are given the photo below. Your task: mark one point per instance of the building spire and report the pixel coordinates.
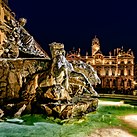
(95, 45)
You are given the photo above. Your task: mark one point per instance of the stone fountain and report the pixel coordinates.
(56, 88)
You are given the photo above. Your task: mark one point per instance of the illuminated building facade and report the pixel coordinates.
(135, 75)
(116, 70)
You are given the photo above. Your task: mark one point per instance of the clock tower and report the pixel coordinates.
(95, 46)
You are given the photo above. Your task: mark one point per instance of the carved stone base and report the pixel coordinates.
(64, 111)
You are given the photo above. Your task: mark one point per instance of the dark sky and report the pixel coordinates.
(76, 22)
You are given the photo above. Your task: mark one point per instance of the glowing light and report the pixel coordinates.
(125, 61)
(134, 82)
(111, 103)
(131, 117)
(93, 62)
(103, 62)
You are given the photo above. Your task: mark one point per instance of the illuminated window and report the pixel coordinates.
(113, 71)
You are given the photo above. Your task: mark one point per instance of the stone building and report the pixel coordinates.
(116, 70)
(135, 75)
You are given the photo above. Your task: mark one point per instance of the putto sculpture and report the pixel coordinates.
(63, 90)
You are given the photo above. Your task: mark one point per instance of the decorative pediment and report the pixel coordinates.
(73, 56)
(125, 55)
(99, 56)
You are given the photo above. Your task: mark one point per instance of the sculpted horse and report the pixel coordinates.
(87, 70)
(90, 75)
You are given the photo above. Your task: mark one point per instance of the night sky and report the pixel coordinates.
(76, 22)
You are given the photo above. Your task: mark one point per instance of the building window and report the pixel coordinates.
(113, 71)
(129, 62)
(5, 17)
(122, 72)
(107, 72)
(129, 83)
(122, 83)
(89, 63)
(129, 72)
(107, 83)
